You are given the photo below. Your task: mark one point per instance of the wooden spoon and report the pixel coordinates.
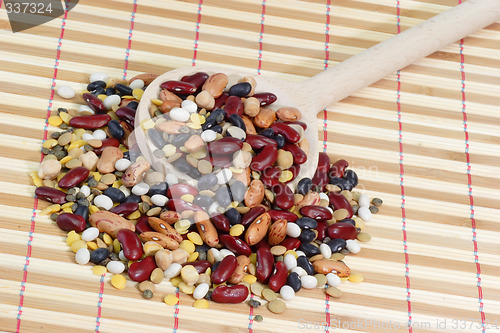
(313, 95)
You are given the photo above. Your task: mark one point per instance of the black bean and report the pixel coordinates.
(203, 200)
(336, 244)
(208, 181)
(241, 89)
(83, 211)
(182, 165)
(306, 223)
(160, 188)
(236, 120)
(233, 216)
(133, 198)
(238, 190)
(217, 129)
(215, 265)
(304, 186)
(350, 221)
(116, 129)
(115, 194)
(280, 140)
(123, 89)
(98, 91)
(309, 249)
(268, 133)
(99, 255)
(352, 177)
(156, 137)
(96, 84)
(133, 105)
(194, 173)
(180, 139)
(303, 262)
(215, 117)
(307, 235)
(223, 196)
(293, 280)
(110, 91)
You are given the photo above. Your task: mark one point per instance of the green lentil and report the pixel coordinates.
(373, 209)
(334, 292)
(92, 183)
(54, 216)
(258, 318)
(377, 202)
(70, 197)
(363, 236)
(254, 303)
(147, 294)
(55, 135)
(269, 295)
(276, 306)
(355, 209)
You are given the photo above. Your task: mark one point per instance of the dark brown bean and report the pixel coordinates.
(141, 270)
(69, 222)
(50, 194)
(265, 158)
(179, 87)
(225, 269)
(131, 244)
(74, 177)
(94, 103)
(233, 294)
(90, 122)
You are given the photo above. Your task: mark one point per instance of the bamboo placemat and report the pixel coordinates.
(426, 140)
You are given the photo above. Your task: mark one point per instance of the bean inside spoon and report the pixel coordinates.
(332, 85)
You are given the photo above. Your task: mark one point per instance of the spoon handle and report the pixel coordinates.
(400, 51)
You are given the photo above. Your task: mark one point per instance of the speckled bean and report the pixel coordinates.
(135, 173)
(206, 229)
(258, 229)
(277, 232)
(160, 238)
(241, 268)
(215, 84)
(163, 227)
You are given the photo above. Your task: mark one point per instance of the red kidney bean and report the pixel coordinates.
(265, 261)
(225, 146)
(284, 198)
(262, 244)
(291, 243)
(235, 245)
(74, 177)
(142, 225)
(259, 141)
(294, 169)
(178, 190)
(219, 101)
(221, 161)
(265, 158)
(338, 168)
(108, 142)
(131, 244)
(299, 156)
(278, 277)
(251, 215)
(196, 79)
(50, 194)
(316, 212)
(282, 214)
(179, 87)
(181, 205)
(271, 176)
(266, 98)
(342, 230)
(90, 122)
(288, 133)
(221, 222)
(301, 123)
(69, 221)
(321, 229)
(225, 269)
(320, 178)
(338, 201)
(200, 265)
(141, 270)
(233, 105)
(125, 208)
(94, 103)
(233, 294)
(127, 114)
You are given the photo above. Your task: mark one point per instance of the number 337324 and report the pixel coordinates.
(28, 7)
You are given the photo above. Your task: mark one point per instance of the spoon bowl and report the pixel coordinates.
(314, 94)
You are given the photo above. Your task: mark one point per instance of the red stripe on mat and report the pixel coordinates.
(99, 304)
(129, 43)
(197, 33)
(401, 175)
(261, 35)
(35, 204)
(469, 185)
(325, 138)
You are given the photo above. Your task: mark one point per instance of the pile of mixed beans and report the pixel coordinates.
(233, 226)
